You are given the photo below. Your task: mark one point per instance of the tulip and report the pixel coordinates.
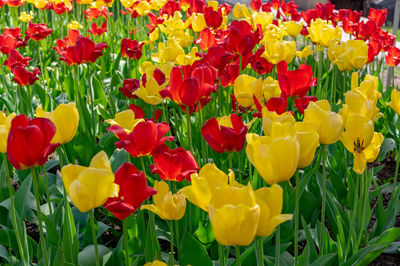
(74, 25)
(166, 205)
(225, 134)
(126, 120)
(240, 10)
(38, 32)
(270, 200)
(133, 191)
(173, 165)
(90, 187)
(131, 49)
(308, 139)
(204, 184)
(349, 55)
(329, 124)
(24, 77)
(7, 43)
(234, 215)
(293, 28)
(245, 87)
(213, 18)
(276, 156)
(5, 125)
(395, 101)
(152, 83)
(25, 17)
(128, 88)
(28, 143)
(323, 33)
(269, 117)
(96, 31)
(198, 22)
(66, 119)
(84, 50)
(271, 88)
(242, 38)
(156, 263)
(393, 56)
(259, 63)
(304, 53)
(277, 51)
(295, 82)
(378, 15)
(144, 138)
(15, 58)
(302, 103)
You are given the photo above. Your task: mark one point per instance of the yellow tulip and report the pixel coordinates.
(125, 119)
(25, 17)
(66, 119)
(293, 28)
(263, 18)
(74, 25)
(198, 22)
(156, 263)
(276, 156)
(358, 139)
(270, 200)
(142, 8)
(240, 11)
(40, 4)
(245, 87)
(148, 67)
(308, 139)
(150, 93)
(329, 124)
(234, 215)
(90, 187)
(188, 59)
(306, 52)
(213, 4)
(349, 55)
(5, 124)
(277, 51)
(271, 88)
(323, 33)
(166, 205)
(167, 52)
(272, 34)
(127, 3)
(269, 117)
(395, 101)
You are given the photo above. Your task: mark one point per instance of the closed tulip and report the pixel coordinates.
(295, 82)
(66, 119)
(234, 215)
(277, 51)
(270, 200)
(293, 28)
(204, 184)
(269, 117)
(167, 205)
(5, 125)
(308, 139)
(276, 156)
(90, 187)
(395, 101)
(329, 124)
(240, 10)
(245, 87)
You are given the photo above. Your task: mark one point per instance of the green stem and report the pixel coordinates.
(396, 172)
(230, 160)
(323, 151)
(320, 61)
(296, 219)
(94, 235)
(39, 215)
(353, 216)
(237, 253)
(189, 128)
(277, 245)
(13, 213)
(171, 257)
(364, 204)
(125, 236)
(260, 247)
(221, 254)
(178, 240)
(240, 168)
(143, 165)
(47, 192)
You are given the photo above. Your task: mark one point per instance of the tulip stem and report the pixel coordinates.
(171, 257)
(47, 192)
(94, 235)
(321, 243)
(277, 245)
(240, 168)
(230, 160)
(396, 172)
(13, 213)
(260, 246)
(189, 129)
(125, 236)
(296, 219)
(237, 253)
(221, 254)
(39, 215)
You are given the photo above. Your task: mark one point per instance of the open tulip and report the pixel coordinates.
(349, 55)
(5, 125)
(308, 139)
(295, 82)
(16, 58)
(129, 86)
(323, 33)
(204, 184)
(66, 119)
(152, 83)
(38, 32)
(270, 200)
(378, 15)
(329, 124)
(133, 191)
(245, 87)
(395, 101)
(90, 187)
(24, 77)
(28, 143)
(125, 119)
(393, 56)
(234, 215)
(166, 205)
(173, 165)
(131, 49)
(83, 50)
(223, 134)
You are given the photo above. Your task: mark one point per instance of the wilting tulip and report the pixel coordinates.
(90, 187)
(295, 82)
(126, 119)
(323, 33)
(131, 49)
(349, 55)
(166, 205)
(270, 200)
(24, 77)
(5, 125)
(269, 117)
(360, 139)
(234, 215)
(133, 191)
(308, 139)
(144, 138)
(227, 133)
(29, 141)
(395, 101)
(259, 63)
(204, 184)
(66, 119)
(173, 165)
(328, 124)
(393, 56)
(267, 153)
(38, 32)
(245, 87)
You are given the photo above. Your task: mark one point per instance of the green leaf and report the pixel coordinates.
(192, 252)
(388, 145)
(324, 260)
(87, 256)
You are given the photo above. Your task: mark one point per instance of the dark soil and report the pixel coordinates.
(386, 259)
(33, 231)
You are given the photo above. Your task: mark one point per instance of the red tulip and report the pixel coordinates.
(226, 134)
(174, 165)
(15, 3)
(144, 138)
(374, 48)
(29, 141)
(16, 58)
(241, 39)
(84, 51)
(378, 15)
(206, 39)
(302, 103)
(213, 18)
(295, 82)
(96, 31)
(10, 40)
(70, 40)
(129, 86)
(59, 8)
(255, 5)
(93, 13)
(38, 31)
(218, 57)
(229, 75)
(131, 48)
(393, 56)
(24, 77)
(365, 29)
(277, 104)
(259, 64)
(325, 11)
(133, 191)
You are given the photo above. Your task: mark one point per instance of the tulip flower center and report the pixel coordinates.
(359, 146)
